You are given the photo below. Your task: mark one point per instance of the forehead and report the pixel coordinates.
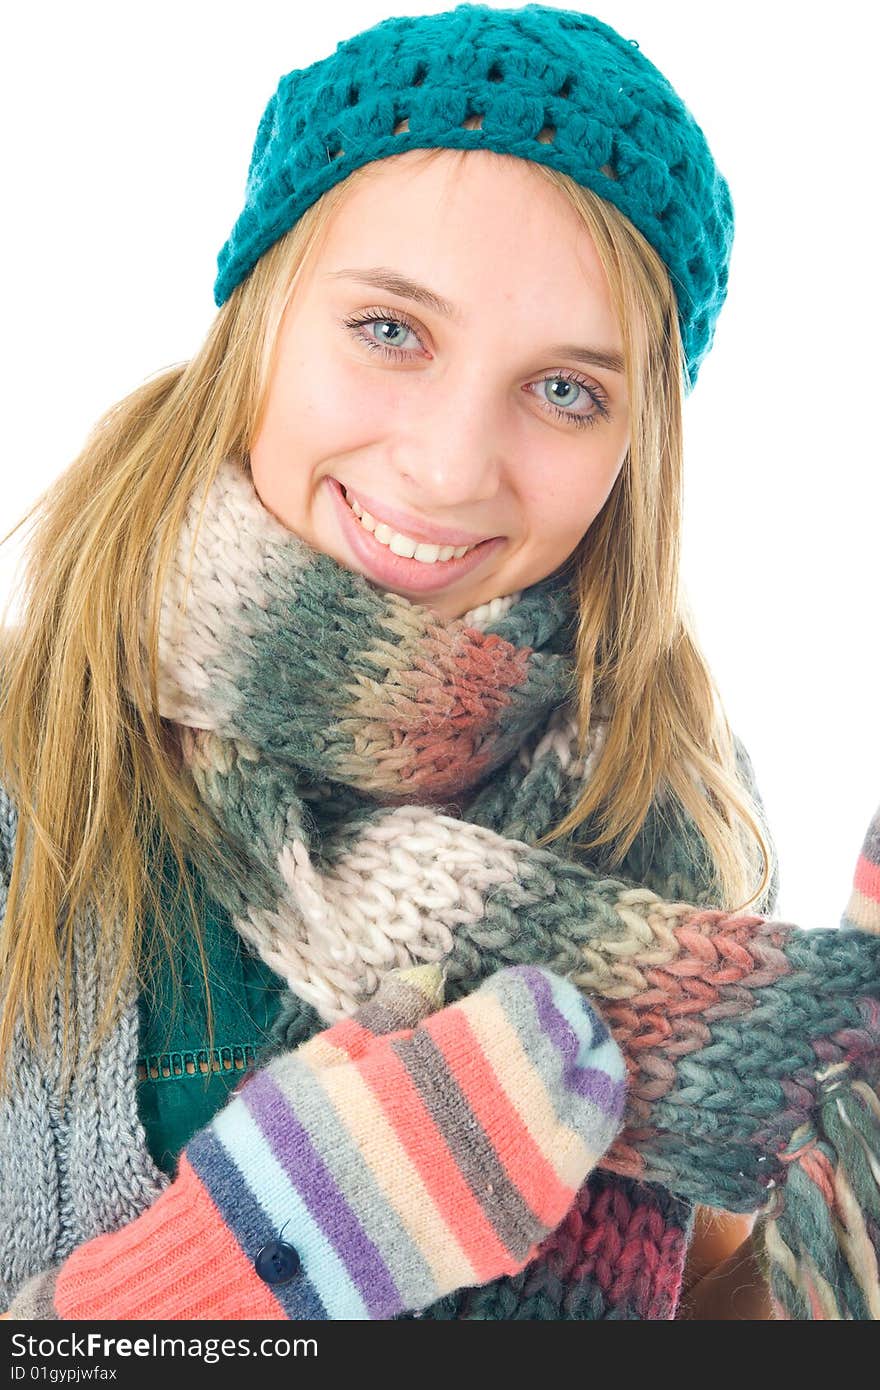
(467, 187)
(480, 223)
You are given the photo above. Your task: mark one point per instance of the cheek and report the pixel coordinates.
(341, 404)
(319, 408)
(561, 507)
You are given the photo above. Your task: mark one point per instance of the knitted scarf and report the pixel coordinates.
(308, 701)
(384, 776)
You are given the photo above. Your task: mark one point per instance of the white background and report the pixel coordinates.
(126, 134)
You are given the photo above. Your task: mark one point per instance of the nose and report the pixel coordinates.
(450, 459)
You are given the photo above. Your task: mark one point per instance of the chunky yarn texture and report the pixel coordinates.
(305, 697)
(556, 87)
(383, 776)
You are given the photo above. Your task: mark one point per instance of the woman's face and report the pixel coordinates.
(458, 418)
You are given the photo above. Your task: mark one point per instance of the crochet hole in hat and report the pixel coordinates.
(474, 121)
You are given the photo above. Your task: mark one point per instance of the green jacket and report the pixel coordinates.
(180, 1085)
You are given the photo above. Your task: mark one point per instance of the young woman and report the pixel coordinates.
(374, 831)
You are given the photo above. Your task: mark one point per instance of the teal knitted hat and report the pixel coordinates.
(607, 117)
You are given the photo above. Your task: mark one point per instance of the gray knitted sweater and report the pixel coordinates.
(88, 1169)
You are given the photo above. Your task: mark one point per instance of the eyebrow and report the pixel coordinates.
(393, 282)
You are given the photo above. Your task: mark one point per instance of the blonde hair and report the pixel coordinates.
(92, 768)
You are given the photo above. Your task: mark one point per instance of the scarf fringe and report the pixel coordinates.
(822, 1235)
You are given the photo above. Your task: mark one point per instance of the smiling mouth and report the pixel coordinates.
(411, 572)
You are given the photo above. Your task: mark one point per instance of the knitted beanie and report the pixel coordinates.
(605, 116)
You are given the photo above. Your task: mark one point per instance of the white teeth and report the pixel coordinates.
(400, 545)
(404, 545)
(427, 554)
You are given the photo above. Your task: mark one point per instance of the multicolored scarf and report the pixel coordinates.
(384, 776)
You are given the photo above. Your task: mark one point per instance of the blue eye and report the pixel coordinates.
(374, 342)
(357, 323)
(601, 411)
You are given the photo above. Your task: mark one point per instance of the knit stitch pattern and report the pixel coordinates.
(302, 663)
(556, 87)
(77, 1166)
(308, 704)
(317, 717)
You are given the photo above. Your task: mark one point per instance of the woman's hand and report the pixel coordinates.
(734, 1289)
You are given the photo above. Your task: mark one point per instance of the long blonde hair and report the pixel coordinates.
(92, 768)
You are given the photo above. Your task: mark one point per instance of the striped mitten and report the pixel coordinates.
(393, 1158)
(863, 909)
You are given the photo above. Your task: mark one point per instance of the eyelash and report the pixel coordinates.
(382, 316)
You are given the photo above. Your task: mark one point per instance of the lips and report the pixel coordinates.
(396, 571)
(421, 531)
